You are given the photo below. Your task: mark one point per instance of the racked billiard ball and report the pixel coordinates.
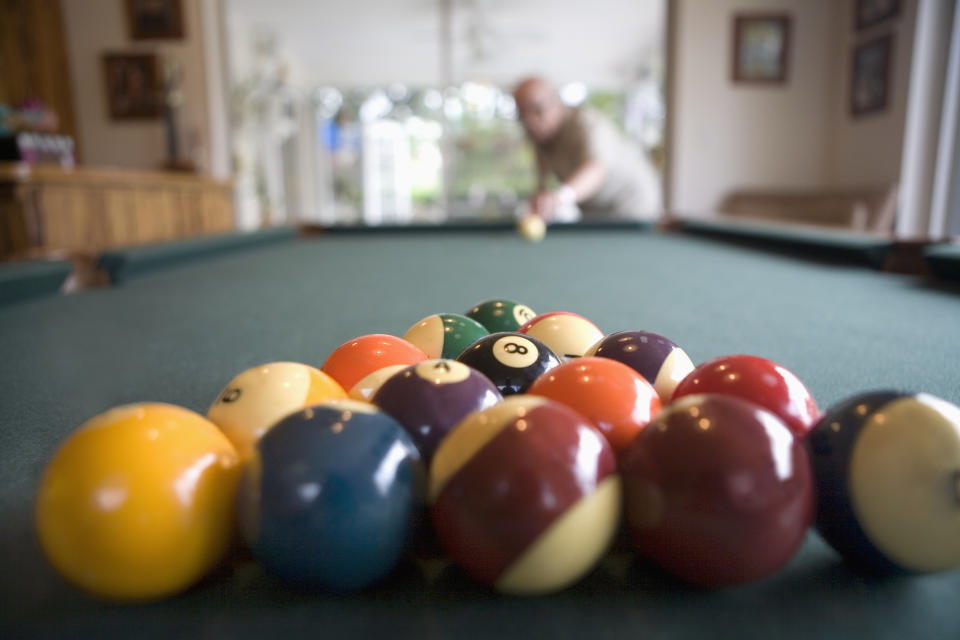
(368, 387)
(511, 360)
(356, 359)
(567, 334)
(445, 335)
(138, 502)
(501, 315)
(256, 399)
(431, 397)
(656, 358)
(717, 491)
(618, 400)
(525, 495)
(758, 380)
(332, 496)
(887, 468)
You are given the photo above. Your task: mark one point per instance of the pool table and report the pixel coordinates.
(178, 334)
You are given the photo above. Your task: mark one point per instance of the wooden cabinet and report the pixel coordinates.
(33, 59)
(48, 209)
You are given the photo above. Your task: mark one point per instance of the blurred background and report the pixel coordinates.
(137, 121)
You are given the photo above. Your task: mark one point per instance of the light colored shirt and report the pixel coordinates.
(630, 188)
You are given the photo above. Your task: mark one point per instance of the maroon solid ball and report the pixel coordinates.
(758, 380)
(717, 491)
(431, 397)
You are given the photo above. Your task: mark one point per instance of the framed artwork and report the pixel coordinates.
(870, 12)
(133, 89)
(870, 76)
(155, 19)
(761, 50)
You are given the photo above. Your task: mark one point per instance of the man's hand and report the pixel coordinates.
(544, 203)
(556, 206)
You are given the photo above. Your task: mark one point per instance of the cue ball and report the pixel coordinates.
(887, 468)
(430, 398)
(445, 335)
(511, 360)
(501, 315)
(525, 495)
(566, 334)
(138, 503)
(356, 359)
(332, 496)
(532, 228)
(656, 358)
(758, 380)
(717, 491)
(618, 400)
(257, 398)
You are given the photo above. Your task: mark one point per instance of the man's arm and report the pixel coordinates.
(586, 180)
(582, 184)
(541, 171)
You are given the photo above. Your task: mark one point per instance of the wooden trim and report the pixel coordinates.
(46, 209)
(741, 20)
(24, 173)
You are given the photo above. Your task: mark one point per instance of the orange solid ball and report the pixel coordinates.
(615, 397)
(354, 360)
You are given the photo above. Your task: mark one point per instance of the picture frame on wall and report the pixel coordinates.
(155, 19)
(868, 13)
(761, 50)
(133, 86)
(870, 76)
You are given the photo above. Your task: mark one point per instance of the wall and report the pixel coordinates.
(866, 150)
(94, 27)
(729, 135)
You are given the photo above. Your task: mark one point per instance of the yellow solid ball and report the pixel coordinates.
(138, 503)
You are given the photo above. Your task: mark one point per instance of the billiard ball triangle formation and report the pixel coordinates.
(518, 446)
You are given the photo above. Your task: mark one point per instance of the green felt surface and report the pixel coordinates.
(944, 260)
(31, 279)
(178, 335)
(832, 244)
(123, 264)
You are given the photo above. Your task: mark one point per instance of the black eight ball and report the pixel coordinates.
(511, 360)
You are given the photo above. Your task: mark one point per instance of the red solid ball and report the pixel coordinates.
(758, 380)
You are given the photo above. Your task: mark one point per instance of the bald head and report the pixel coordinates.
(539, 108)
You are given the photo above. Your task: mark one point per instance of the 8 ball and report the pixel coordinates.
(511, 360)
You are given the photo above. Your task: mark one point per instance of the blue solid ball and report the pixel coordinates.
(332, 496)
